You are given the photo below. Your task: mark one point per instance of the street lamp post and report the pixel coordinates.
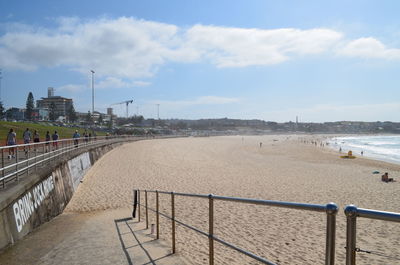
(92, 94)
(0, 84)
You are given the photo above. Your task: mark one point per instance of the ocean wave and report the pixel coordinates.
(380, 147)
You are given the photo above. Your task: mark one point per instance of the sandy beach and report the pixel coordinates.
(282, 169)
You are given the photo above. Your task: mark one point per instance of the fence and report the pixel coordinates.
(330, 209)
(352, 212)
(19, 159)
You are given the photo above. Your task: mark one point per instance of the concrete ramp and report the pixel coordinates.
(101, 237)
(140, 247)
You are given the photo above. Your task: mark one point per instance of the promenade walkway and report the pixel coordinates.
(101, 237)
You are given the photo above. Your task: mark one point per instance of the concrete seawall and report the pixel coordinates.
(43, 195)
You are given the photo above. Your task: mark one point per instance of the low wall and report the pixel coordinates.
(44, 195)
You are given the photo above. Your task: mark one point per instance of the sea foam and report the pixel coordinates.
(379, 147)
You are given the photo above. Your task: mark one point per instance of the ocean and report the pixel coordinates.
(386, 148)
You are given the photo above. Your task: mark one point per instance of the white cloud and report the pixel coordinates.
(141, 83)
(106, 83)
(369, 48)
(71, 88)
(124, 47)
(129, 48)
(205, 100)
(329, 112)
(112, 82)
(239, 47)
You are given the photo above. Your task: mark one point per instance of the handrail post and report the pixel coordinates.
(27, 161)
(147, 210)
(138, 199)
(211, 228)
(16, 162)
(157, 216)
(35, 158)
(173, 221)
(331, 211)
(351, 232)
(44, 155)
(2, 166)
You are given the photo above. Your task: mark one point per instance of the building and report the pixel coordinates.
(15, 114)
(62, 105)
(110, 111)
(50, 92)
(82, 117)
(42, 114)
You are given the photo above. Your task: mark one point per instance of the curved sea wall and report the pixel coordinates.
(44, 195)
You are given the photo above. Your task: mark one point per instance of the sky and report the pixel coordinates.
(256, 59)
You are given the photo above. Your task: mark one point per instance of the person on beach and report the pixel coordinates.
(27, 136)
(11, 140)
(260, 144)
(385, 178)
(55, 137)
(362, 153)
(76, 137)
(48, 139)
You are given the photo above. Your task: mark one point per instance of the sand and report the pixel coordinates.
(282, 169)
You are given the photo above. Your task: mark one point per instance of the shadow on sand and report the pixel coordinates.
(139, 246)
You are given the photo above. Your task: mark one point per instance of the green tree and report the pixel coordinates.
(30, 105)
(52, 112)
(71, 114)
(2, 113)
(137, 119)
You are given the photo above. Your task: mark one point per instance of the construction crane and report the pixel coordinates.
(127, 102)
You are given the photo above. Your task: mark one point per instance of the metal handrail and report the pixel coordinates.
(58, 153)
(47, 153)
(93, 138)
(330, 209)
(352, 213)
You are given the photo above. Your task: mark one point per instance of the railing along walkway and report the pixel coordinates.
(28, 157)
(329, 209)
(351, 212)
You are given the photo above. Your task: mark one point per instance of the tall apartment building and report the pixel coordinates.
(62, 104)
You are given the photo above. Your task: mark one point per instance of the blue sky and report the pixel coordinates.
(271, 60)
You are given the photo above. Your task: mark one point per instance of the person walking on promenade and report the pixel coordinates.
(86, 136)
(55, 137)
(11, 140)
(76, 137)
(36, 138)
(48, 139)
(27, 136)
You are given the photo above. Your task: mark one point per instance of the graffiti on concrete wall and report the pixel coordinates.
(78, 167)
(30, 201)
